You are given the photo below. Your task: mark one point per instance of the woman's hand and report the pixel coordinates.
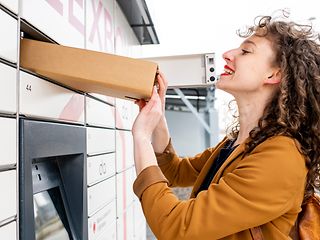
(149, 116)
(162, 84)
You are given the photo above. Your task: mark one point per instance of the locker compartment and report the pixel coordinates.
(63, 21)
(9, 37)
(125, 226)
(100, 140)
(124, 150)
(40, 98)
(125, 195)
(99, 113)
(8, 141)
(110, 233)
(100, 167)
(101, 194)
(99, 224)
(9, 200)
(123, 114)
(8, 232)
(10, 4)
(8, 102)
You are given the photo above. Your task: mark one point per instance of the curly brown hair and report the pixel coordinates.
(295, 109)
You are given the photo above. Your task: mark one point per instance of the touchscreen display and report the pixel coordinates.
(48, 224)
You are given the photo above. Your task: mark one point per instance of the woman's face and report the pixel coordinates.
(248, 68)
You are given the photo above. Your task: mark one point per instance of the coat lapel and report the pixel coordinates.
(206, 167)
(238, 151)
(233, 156)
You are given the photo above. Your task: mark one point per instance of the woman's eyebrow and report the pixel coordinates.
(249, 42)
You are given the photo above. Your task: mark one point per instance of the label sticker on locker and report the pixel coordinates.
(100, 25)
(61, 20)
(99, 223)
(124, 150)
(10, 4)
(125, 195)
(100, 140)
(9, 199)
(101, 194)
(44, 99)
(125, 225)
(9, 37)
(99, 113)
(8, 141)
(8, 232)
(8, 76)
(100, 167)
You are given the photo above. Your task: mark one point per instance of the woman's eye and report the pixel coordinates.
(244, 52)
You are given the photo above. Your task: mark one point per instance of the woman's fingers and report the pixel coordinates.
(141, 103)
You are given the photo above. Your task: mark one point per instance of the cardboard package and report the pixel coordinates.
(89, 71)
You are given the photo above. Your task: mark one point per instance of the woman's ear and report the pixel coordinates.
(273, 78)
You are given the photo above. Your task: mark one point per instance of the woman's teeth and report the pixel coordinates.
(228, 71)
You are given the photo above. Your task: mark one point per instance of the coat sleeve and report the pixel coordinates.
(263, 187)
(184, 171)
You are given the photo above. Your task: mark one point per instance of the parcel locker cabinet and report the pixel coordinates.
(9, 37)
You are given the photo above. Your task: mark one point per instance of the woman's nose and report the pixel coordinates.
(228, 56)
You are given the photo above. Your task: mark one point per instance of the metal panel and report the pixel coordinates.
(99, 224)
(62, 20)
(8, 141)
(9, 37)
(8, 200)
(8, 76)
(99, 113)
(125, 195)
(10, 4)
(100, 167)
(124, 150)
(97, 200)
(8, 232)
(195, 70)
(40, 98)
(100, 140)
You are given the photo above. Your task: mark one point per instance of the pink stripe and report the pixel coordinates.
(57, 5)
(108, 30)
(73, 20)
(73, 109)
(124, 189)
(95, 27)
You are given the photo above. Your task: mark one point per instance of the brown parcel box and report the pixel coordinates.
(89, 71)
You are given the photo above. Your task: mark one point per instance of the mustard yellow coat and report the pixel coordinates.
(263, 188)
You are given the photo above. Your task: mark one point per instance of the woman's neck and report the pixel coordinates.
(249, 114)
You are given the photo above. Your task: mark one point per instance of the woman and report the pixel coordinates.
(259, 176)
